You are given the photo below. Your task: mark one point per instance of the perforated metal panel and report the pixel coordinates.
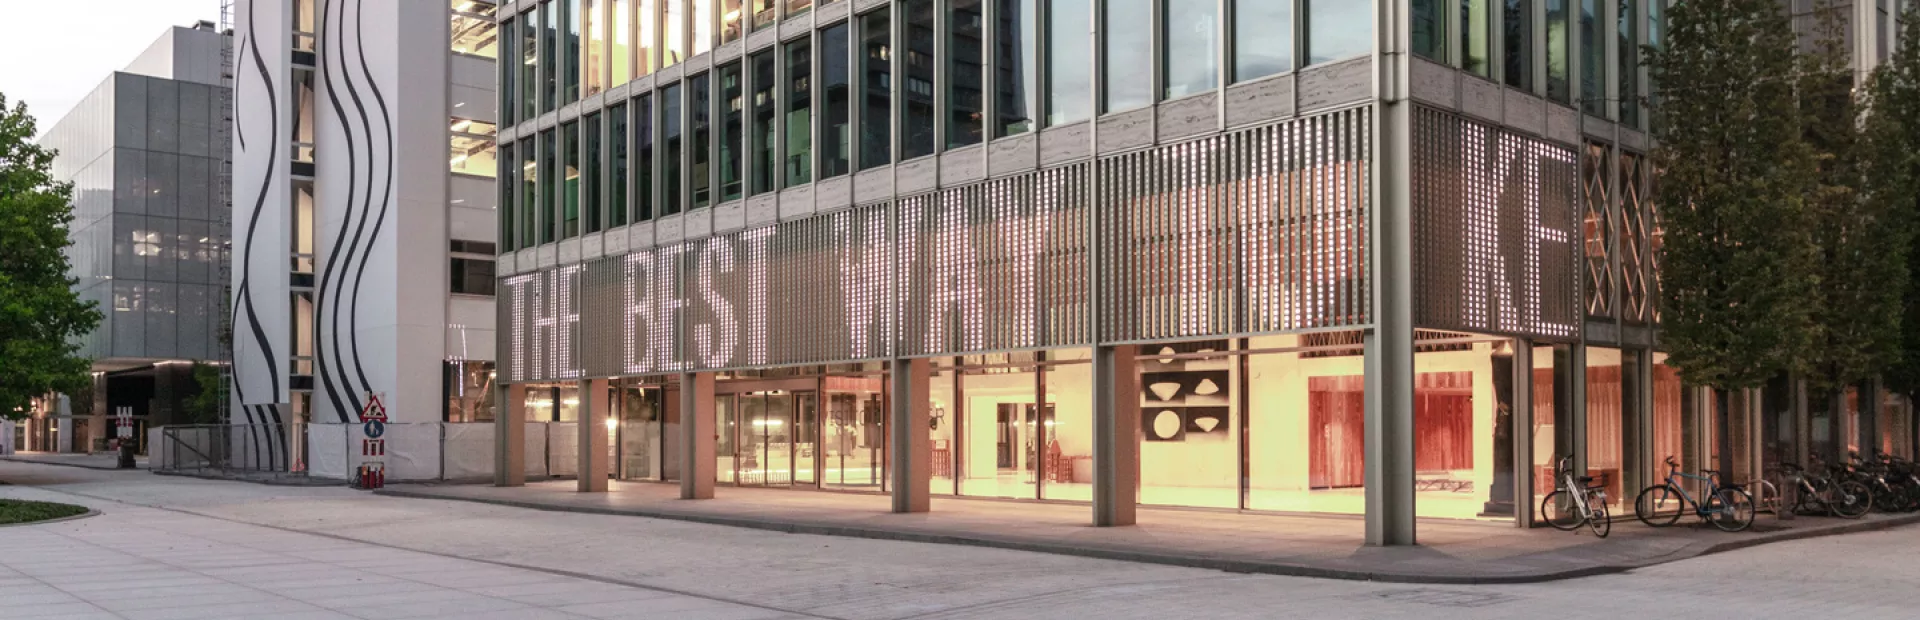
(1494, 230)
(1258, 231)
(1262, 230)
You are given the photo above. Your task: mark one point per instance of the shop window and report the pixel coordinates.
(1605, 420)
(1190, 425)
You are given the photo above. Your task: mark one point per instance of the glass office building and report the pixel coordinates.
(1194, 254)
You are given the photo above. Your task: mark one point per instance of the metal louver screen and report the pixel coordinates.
(1262, 230)
(1495, 230)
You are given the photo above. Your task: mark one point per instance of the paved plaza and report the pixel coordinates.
(168, 547)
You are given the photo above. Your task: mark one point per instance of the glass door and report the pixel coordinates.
(854, 445)
(767, 439)
(805, 408)
(726, 447)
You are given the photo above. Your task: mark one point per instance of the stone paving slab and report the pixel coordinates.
(1451, 551)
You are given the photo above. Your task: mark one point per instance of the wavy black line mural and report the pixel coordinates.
(367, 141)
(260, 188)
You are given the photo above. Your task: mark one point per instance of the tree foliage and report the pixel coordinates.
(1734, 171)
(1893, 180)
(40, 315)
(1861, 237)
(203, 407)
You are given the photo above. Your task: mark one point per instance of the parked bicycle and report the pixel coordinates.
(1839, 496)
(1577, 500)
(1726, 507)
(1896, 483)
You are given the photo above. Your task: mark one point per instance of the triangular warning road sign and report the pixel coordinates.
(374, 410)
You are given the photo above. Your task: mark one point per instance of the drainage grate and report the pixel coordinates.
(1445, 598)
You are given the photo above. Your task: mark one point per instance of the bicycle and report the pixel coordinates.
(1766, 494)
(1726, 507)
(1576, 501)
(1847, 499)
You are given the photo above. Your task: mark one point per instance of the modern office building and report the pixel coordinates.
(145, 152)
(363, 218)
(1379, 258)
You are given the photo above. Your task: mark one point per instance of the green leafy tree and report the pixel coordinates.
(1892, 174)
(40, 316)
(1733, 174)
(1860, 235)
(203, 407)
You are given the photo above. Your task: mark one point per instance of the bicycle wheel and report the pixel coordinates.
(1849, 499)
(1558, 511)
(1730, 509)
(1599, 522)
(1659, 506)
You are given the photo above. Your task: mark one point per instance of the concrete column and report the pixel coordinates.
(1802, 423)
(1389, 345)
(1577, 406)
(696, 435)
(1870, 404)
(909, 450)
(1522, 433)
(1116, 435)
(510, 437)
(592, 457)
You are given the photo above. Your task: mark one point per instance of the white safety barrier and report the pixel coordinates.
(435, 451)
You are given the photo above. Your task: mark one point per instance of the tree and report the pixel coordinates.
(1862, 240)
(1893, 179)
(1733, 172)
(203, 407)
(40, 315)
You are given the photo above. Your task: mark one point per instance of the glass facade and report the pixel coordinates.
(700, 129)
(1262, 39)
(593, 40)
(916, 107)
(619, 160)
(1476, 36)
(876, 89)
(1126, 24)
(1593, 58)
(549, 13)
(643, 159)
(590, 194)
(572, 36)
(672, 142)
(798, 119)
(1016, 66)
(836, 145)
(1429, 29)
(1559, 51)
(732, 117)
(571, 180)
(1190, 53)
(1338, 29)
(1069, 61)
(1628, 69)
(763, 130)
(1517, 43)
(966, 75)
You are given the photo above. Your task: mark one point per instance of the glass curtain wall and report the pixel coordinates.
(590, 194)
(1669, 420)
(1016, 66)
(1552, 429)
(1128, 32)
(966, 77)
(1262, 39)
(620, 59)
(1429, 28)
(530, 194)
(1069, 61)
(765, 12)
(549, 198)
(509, 190)
(700, 129)
(569, 163)
(1593, 61)
(1191, 50)
(1338, 29)
(643, 123)
(1559, 39)
(702, 33)
(799, 113)
(876, 89)
(617, 135)
(671, 198)
(1606, 419)
(1015, 425)
(764, 171)
(593, 57)
(732, 100)
(647, 16)
(836, 155)
(549, 36)
(916, 110)
(570, 46)
(1476, 36)
(510, 61)
(730, 29)
(1518, 44)
(853, 429)
(1628, 49)
(641, 436)
(673, 32)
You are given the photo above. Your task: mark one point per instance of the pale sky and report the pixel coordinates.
(56, 51)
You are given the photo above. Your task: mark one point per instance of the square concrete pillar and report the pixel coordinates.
(510, 437)
(909, 449)
(697, 435)
(1522, 435)
(1116, 435)
(592, 459)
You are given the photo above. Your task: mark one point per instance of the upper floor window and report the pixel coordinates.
(1338, 29)
(1129, 46)
(1069, 61)
(1262, 38)
(472, 150)
(474, 31)
(1192, 47)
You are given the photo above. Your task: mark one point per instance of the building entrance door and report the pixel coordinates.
(776, 437)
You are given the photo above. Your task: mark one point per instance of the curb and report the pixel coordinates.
(1190, 561)
(275, 482)
(15, 459)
